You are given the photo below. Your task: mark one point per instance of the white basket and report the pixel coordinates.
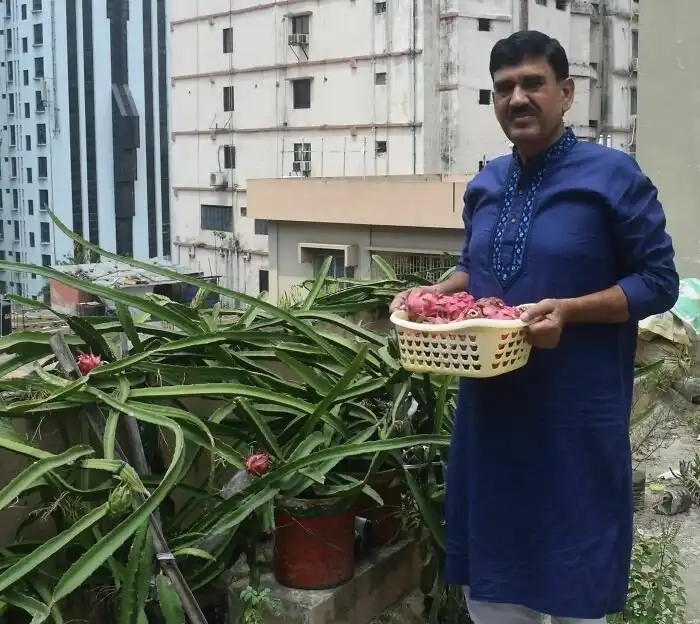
(473, 348)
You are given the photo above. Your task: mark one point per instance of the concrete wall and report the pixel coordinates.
(668, 134)
(286, 272)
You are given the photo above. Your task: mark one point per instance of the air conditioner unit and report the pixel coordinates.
(218, 179)
(305, 166)
(298, 39)
(634, 64)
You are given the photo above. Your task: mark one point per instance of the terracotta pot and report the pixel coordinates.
(314, 544)
(386, 519)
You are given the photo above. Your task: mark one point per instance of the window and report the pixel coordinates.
(484, 97)
(13, 136)
(24, 11)
(11, 104)
(229, 156)
(561, 4)
(381, 148)
(10, 72)
(43, 167)
(216, 218)
(29, 175)
(380, 7)
(244, 211)
(380, 78)
(38, 34)
(542, 2)
(263, 280)
(43, 199)
(301, 93)
(261, 227)
(484, 24)
(45, 232)
(28, 142)
(40, 106)
(635, 43)
(45, 260)
(228, 40)
(25, 45)
(30, 206)
(633, 100)
(41, 134)
(8, 9)
(16, 229)
(39, 67)
(300, 24)
(2, 235)
(13, 167)
(8, 39)
(337, 269)
(27, 110)
(15, 199)
(228, 99)
(302, 159)
(32, 242)
(25, 77)
(36, 5)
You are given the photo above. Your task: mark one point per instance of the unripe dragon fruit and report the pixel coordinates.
(424, 306)
(258, 464)
(87, 362)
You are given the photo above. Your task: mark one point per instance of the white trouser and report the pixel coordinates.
(493, 613)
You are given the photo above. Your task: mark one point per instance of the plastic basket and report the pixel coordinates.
(473, 348)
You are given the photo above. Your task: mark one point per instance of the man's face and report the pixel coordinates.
(530, 102)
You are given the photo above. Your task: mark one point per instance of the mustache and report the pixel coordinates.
(523, 110)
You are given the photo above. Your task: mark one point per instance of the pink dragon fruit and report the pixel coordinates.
(258, 464)
(429, 307)
(87, 362)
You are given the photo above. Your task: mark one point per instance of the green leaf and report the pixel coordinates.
(318, 284)
(50, 548)
(16, 487)
(170, 604)
(39, 611)
(134, 590)
(265, 434)
(194, 552)
(385, 268)
(127, 323)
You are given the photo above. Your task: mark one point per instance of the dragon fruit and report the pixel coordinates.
(424, 306)
(257, 465)
(87, 362)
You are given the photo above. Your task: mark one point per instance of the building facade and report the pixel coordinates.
(85, 130)
(669, 119)
(335, 88)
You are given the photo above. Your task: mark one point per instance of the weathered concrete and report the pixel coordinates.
(684, 448)
(379, 582)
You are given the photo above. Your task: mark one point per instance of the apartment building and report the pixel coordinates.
(84, 114)
(668, 136)
(356, 88)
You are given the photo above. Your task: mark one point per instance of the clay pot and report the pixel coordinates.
(314, 543)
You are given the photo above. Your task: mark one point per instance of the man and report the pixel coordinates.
(539, 503)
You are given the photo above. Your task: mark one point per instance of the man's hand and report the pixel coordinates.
(546, 321)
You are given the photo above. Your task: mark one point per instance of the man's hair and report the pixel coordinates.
(532, 44)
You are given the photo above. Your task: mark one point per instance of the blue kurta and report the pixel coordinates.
(539, 499)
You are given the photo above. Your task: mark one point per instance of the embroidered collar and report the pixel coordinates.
(563, 144)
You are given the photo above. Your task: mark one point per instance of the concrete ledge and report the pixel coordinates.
(380, 582)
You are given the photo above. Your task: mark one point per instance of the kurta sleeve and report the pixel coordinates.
(650, 280)
(463, 264)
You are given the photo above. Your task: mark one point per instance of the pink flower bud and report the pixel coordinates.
(258, 464)
(87, 362)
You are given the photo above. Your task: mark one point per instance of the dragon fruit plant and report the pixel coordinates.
(87, 362)
(424, 306)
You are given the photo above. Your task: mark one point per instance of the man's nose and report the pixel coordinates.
(518, 97)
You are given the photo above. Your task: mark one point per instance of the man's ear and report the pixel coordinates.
(567, 90)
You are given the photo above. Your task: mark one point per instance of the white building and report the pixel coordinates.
(357, 88)
(85, 131)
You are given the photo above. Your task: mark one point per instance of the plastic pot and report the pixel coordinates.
(314, 543)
